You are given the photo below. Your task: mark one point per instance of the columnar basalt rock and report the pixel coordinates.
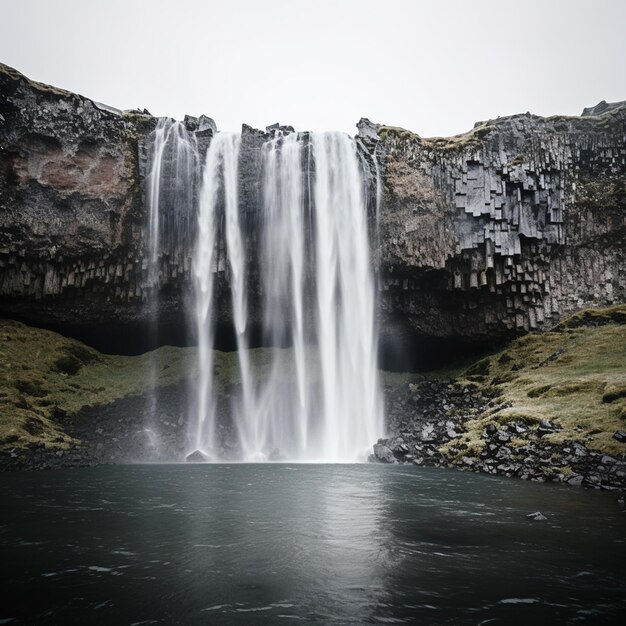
(497, 231)
(505, 228)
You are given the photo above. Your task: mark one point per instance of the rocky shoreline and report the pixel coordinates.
(427, 418)
(425, 422)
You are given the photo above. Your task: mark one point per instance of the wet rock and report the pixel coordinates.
(428, 433)
(503, 453)
(546, 427)
(620, 435)
(383, 453)
(503, 436)
(197, 456)
(450, 430)
(421, 427)
(592, 480)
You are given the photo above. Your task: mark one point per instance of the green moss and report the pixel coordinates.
(615, 314)
(45, 377)
(510, 416)
(67, 364)
(385, 132)
(502, 378)
(535, 392)
(481, 368)
(583, 390)
(137, 118)
(505, 358)
(30, 387)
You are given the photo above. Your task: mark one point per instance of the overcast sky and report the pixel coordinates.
(433, 67)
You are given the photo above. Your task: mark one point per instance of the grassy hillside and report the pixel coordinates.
(45, 377)
(574, 375)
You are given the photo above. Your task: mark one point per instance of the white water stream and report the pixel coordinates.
(318, 398)
(170, 199)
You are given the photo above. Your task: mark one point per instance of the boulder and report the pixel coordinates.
(197, 456)
(383, 453)
(620, 435)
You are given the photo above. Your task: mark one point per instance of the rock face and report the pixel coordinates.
(71, 210)
(500, 230)
(505, 228)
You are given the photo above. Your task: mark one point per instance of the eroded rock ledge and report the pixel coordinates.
(505, 228)
(480, 236)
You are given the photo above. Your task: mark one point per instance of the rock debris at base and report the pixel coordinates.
(426, 417)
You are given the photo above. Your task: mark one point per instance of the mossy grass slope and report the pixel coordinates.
(45, 377)
(574, 375)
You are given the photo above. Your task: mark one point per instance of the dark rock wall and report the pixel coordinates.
(70, 205)
(505, 228)
(501, 230)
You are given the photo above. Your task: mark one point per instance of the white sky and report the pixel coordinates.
(433, 67)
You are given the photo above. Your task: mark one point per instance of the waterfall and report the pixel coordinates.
(219, 194)
(171, 188)
(320, 299)
(236, 252)
(347, 337)
(283, 414)
(170, 198)
(318, 398)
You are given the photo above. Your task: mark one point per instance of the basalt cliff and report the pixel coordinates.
(477, 237)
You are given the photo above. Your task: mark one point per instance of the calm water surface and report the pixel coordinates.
(280, 544)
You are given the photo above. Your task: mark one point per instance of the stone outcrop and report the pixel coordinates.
(505, 228)
(70, 204)
(497, 231)
(426, 419)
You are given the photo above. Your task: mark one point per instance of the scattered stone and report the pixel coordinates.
(428, 433)
(575, 481)
(537, 516)
(383, 453)
(620, 435)
(197, 456)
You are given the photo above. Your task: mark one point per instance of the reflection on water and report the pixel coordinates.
(266, 544)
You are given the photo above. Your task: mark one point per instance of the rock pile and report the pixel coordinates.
(425, 418)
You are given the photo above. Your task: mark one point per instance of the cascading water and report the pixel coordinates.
(320, 399)
(347, 337)
(220, 190)
(171, 189)
(283, 409)
(320, 298)
(170, 196)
